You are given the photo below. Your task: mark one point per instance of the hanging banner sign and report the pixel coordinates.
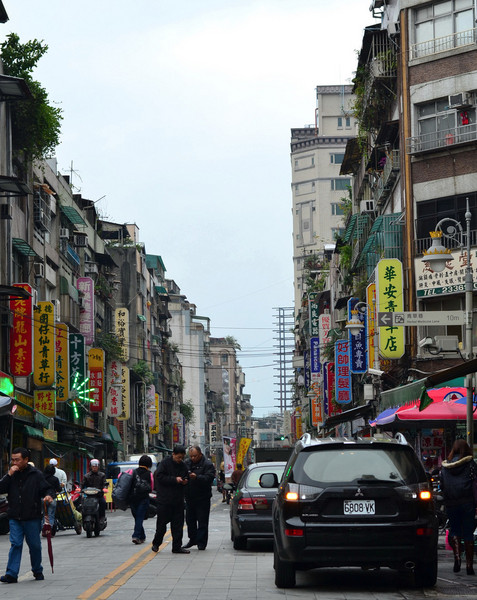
(244, 445)
(314, 318)
(324, 328)
(342, 372)
(44, 401)
(370, 345)
(114, 388)
(154, 421)
(62, 362)
(44, 345)
(124, 399)
(315, 365)
(77, 356)
(298, 423)
(21, 334)
(358, 342)
(316, 404)
(121, 327)
(390, 298)
(96, 378)
(85, 285)
(306, 362)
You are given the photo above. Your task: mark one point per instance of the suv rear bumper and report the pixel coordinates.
(387, 546)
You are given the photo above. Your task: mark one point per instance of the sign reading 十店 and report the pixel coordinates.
(390, 298)
(450, 281)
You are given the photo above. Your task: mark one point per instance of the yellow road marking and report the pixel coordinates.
(113, 587)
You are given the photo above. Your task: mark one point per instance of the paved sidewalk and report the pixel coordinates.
(112, 567)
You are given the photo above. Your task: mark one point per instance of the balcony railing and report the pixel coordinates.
(422, 244)
(388, 176)
(442, 44)
(463, 134)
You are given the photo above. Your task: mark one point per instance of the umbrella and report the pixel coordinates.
(450, 405)
(46, 532)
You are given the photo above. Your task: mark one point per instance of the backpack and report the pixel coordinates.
(141, 487)
(122, 491)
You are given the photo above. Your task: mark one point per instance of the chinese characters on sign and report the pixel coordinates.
(390, 299)
(62, 363)
(77, 357)
(154, 427)
(96, 378)
(371, 301)
(114, 389)
(86, 287)
(358, 342)
(314, 317)
(121, 319)
(44, 345)
(124, 406)
(342, 372)
(324, 328)
(450, 281)
(45, 402)
(316, 401)
(315, 366)
(21, 336)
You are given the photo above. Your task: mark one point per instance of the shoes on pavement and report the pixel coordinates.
(8, 579)
(189, 544)
(201, 547)
(136, 541)
(181, 551)
(155, 548)
(142, 541)
(39, 576)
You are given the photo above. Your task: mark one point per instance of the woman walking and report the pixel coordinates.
(458, 480)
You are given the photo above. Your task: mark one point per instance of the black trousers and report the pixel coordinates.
(197, 518)
(173, 514)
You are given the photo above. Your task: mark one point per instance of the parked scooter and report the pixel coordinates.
(90, 509)
(75, 495)
(4, 521)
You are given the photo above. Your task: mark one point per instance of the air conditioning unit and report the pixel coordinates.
(366, 206)
(446, 343)
(64, 233)
(394, 28)
(81, 241)
(460, 99)
(39, 269)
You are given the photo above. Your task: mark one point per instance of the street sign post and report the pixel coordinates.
(410, 319)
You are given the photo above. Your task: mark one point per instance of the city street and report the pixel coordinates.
(112, 567)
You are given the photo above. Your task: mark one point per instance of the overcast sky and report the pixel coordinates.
(179, 113)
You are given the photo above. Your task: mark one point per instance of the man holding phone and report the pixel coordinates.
(170, 479)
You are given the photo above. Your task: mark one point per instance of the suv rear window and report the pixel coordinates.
(339, 465)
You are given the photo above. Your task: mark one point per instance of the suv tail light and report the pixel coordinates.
(294, 532)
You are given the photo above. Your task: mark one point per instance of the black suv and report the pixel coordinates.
(364, 502)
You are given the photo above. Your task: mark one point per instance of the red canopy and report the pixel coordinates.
(450, 404)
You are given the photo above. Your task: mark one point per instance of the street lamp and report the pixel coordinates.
(437, 256)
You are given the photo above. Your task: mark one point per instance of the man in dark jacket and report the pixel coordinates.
(198, 494)
(26, 487)
(170, 480)
(96, 479)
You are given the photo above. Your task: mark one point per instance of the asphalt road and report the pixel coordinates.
(110, 566)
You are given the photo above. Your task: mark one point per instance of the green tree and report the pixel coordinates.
(35, 123)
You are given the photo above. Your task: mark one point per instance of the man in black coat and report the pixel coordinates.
(198, 494)
(170, 480)
(95, 478)
(26, 488)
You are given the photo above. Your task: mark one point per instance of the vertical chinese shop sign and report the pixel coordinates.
(44, 375)
(121, 323)
(21, 337)
(114, 388)
(390, 298)
(77, 357)
(44, 345)
(358, 357)
(85, 285)
(96, 378)
(124, 398)
(342, 372)
(62, 363)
